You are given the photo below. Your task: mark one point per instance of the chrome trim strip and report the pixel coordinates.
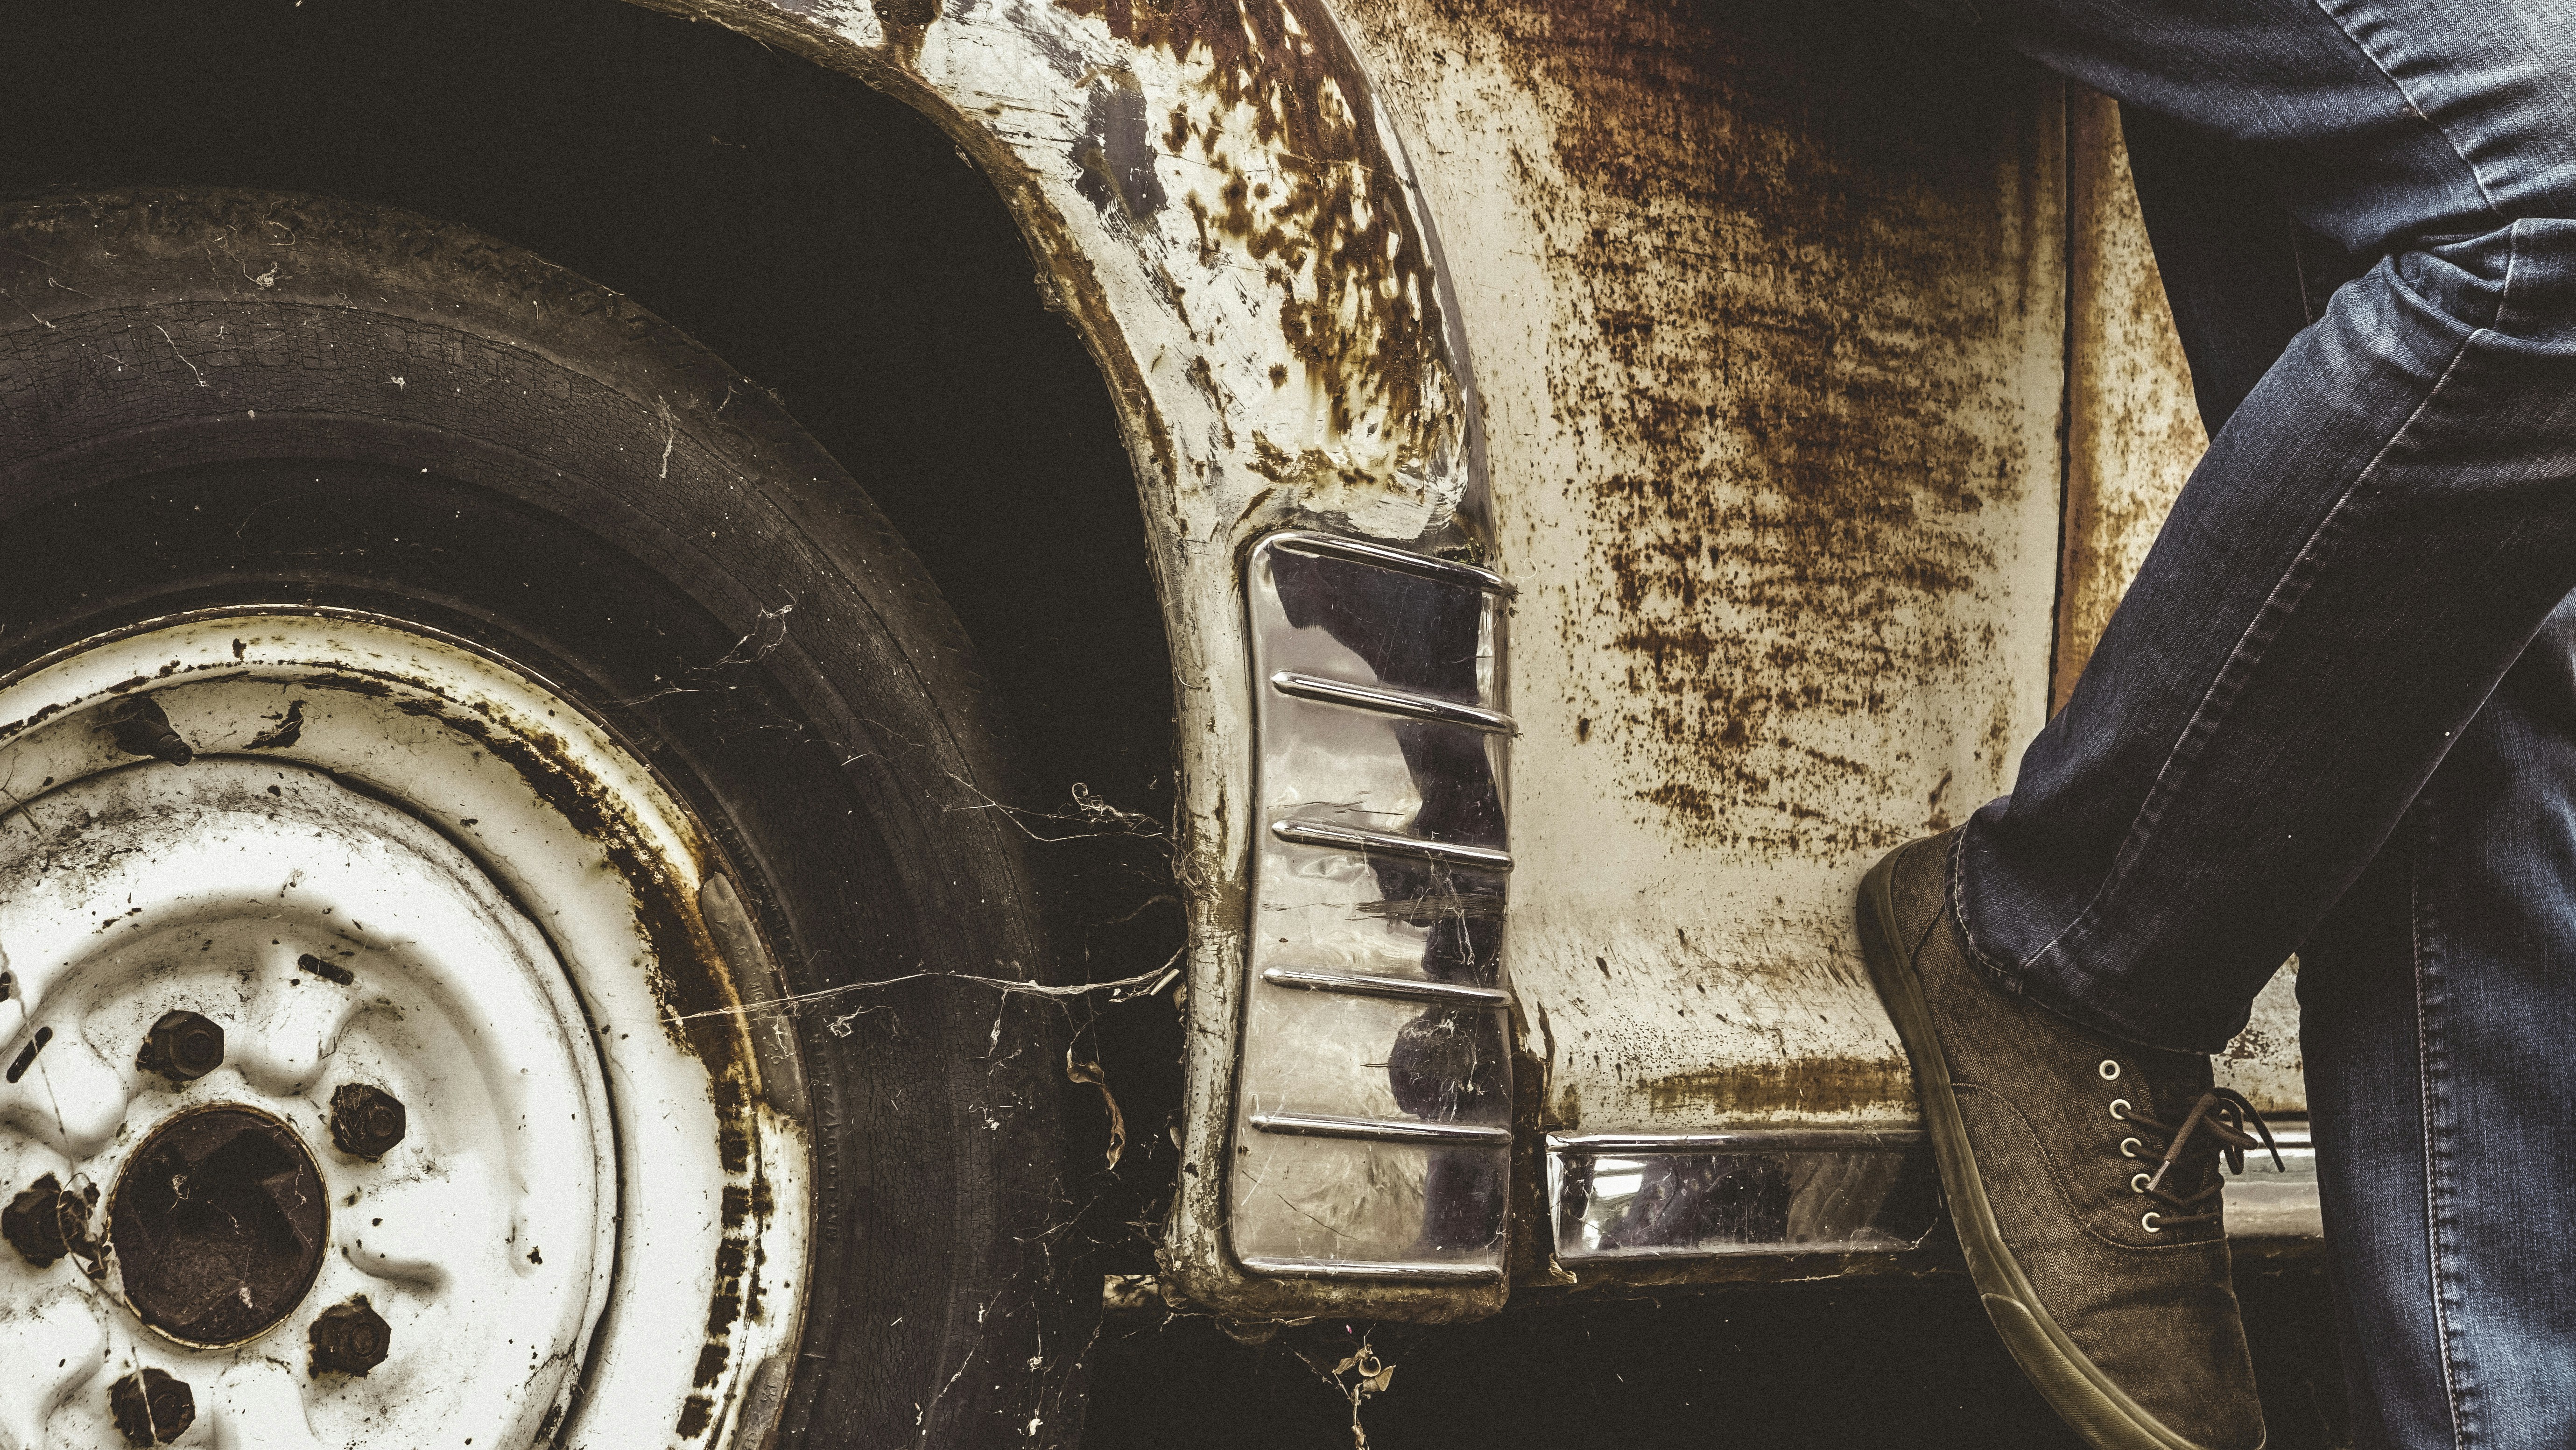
(1378, 1130)
(1363, 551)
(2263, 1204)
(1388, 843)
(1636, 1196)
(1418, 1271)
(1391, 702)
(1617, 1197)
(1401, 989)
(1757, 1140)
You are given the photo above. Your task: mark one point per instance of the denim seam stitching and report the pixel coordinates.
(2512, 266)
(2485, 192)
(2415, 937)
(2203, 722)
(1957, 906)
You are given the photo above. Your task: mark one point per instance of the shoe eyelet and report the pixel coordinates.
(2138, 1183)
(2129, 1147)
(2119, 1109)
(2147, 1221)
(2110, 1070)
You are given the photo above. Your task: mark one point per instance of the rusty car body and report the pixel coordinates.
(1812, 400)
(1606, 474)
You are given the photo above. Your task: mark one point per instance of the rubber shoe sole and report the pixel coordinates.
(2082, 1395)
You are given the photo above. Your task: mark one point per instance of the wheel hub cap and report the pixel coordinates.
(219, 1223)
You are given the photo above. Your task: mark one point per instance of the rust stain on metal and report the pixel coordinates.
(2133, 433)
(1794, 263)
(1312, 201)
(1780, 333)
(1810, 1084)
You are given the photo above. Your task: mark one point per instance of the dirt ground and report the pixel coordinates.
(1910, 1365)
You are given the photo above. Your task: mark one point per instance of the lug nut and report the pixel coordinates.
(151, 1408)
(366, 1121)
(46, 1222)
(349, 1338)
(182, 1047)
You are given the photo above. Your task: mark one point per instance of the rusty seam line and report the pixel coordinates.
(2065, 405)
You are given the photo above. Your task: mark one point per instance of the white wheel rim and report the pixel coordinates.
(593, 1230)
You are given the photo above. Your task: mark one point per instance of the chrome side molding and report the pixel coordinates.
(1372, 1123)
(1649, 1196)
(1389, 702)
(1401, 989)
(1631, 1196)
(2264, 1204)
(1377, 1130)
(1388, 843)
(1421, 1273)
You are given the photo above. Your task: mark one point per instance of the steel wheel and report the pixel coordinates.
(488, 822)
(402, 1083)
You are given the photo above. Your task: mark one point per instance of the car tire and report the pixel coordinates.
(215, 400)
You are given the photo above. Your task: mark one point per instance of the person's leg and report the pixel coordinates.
(2475, 891)
(2379, 528)
(2370, 543)
(2227, 252)
(2371, 539)
(2437, 991)
(2438, 1005)
(2242, 276)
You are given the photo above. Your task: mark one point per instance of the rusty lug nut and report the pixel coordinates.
(46, 1222)
(349, 1338)
(151, 1408)
(182, 1047)
(366, 1121)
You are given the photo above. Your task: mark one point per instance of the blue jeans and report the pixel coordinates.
(2336, 713)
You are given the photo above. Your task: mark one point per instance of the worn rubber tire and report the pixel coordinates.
(219, 397)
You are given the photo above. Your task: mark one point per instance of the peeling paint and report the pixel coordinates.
(1114, 154)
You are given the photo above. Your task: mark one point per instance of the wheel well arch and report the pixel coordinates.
(826, 242)
(1207, 191)
(824, 239)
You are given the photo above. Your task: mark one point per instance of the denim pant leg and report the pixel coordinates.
(2438, 1011)
(2436, 992)
(2375, 534)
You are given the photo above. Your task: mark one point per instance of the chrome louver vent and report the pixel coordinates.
(1372, 1130)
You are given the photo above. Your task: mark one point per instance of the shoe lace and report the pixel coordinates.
(2222, 1115)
